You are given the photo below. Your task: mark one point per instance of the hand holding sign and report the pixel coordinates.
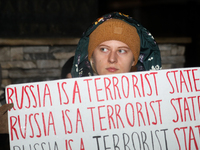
(4, 117)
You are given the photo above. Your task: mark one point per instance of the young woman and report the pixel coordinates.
(115, 43)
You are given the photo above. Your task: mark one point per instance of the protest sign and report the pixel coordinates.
(149, 110)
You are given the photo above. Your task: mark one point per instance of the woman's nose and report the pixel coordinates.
(112, 58)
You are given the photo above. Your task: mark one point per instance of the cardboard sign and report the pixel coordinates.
(149, 110)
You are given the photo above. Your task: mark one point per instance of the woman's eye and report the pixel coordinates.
(122, 51)
(104, 49)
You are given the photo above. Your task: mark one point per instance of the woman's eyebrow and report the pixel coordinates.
(124, 47)
(103, 45)
(118, 47)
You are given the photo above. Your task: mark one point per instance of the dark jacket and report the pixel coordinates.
(149, 58)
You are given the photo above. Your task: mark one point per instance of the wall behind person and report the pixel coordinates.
(22, 64)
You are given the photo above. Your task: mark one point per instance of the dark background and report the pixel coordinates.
(46, 18)
(69, 18)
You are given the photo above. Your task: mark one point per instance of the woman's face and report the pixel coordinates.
(111, 57)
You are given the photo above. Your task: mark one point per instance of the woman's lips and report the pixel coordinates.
(111, 69)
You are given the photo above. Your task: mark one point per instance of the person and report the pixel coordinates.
(115, 43)
(66, 69)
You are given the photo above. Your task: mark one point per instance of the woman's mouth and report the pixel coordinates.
(111, 69)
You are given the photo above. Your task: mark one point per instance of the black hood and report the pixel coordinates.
(149, 58)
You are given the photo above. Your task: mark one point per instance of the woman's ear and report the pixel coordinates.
(92, 64)
(133, 63)
(91, 61)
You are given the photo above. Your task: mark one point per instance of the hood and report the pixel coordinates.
(149, 58)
